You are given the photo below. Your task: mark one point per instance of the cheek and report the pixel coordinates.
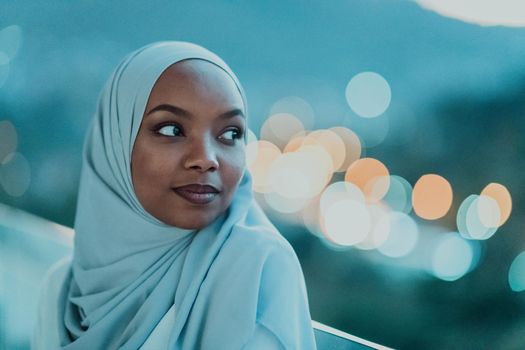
(234, 168)
(151, 168)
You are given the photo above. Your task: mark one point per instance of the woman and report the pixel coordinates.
(171, 250)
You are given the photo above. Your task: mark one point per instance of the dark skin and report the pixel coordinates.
(198, 141)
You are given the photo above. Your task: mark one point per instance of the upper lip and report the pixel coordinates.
(198, 188)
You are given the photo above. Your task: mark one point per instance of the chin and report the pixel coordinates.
(192, 223)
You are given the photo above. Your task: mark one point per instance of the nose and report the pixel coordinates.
(201, 156)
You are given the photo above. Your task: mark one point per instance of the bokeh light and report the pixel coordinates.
(371, 176)
(284, 204)
(488, 211)
(399, 195)
(10, 40)
(295, 143)
(8, 139)
(432, 197)
(338, 191)
(296, 106)
(261, 154)
(452, 257)
(517, 273)
(403, 236)
(352, 146)
(331, 142)
(473, 214)
(486, 13)
(368, 94)
(15, 174)
(280, 128)
(346, 222)
(380, 227)
(502, 197)
(310, 217)
(292, 175)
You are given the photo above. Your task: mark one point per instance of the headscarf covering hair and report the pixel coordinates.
(129, 268)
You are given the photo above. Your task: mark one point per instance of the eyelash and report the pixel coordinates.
(239, 132)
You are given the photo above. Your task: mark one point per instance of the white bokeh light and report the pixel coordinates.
(517, 273)
(403, 236)
(368, 94)
(10, 40)
(340, 190)
(380, 227)
(346, 222)
(296, 106)
(486, 13)
(470, 224)
(399, 195)
(452, 257)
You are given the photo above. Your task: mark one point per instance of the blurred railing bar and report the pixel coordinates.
(31, 224)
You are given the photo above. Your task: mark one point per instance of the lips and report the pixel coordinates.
(197, 193)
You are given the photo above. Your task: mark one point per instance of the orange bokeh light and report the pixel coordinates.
(352, 144)
(502, 196)
(371, 176)
(331, 142)
(432, 197)
(265, 154)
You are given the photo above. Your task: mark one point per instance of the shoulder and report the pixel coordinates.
(261, 239)
(265, 249)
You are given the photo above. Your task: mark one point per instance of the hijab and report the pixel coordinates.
(129, 268)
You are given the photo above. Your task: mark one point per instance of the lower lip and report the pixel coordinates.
(196, 198)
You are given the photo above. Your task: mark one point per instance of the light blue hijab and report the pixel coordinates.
(129, 268)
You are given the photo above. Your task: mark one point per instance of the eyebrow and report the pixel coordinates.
(184, 113)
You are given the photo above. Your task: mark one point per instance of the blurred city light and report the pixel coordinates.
(368, 94)
(297, 107)
(261, 154)
(346, 222)
(340, 190)
(371, 176)
(502, 197)
(10, 41)
(517, 273)
(403, 236)
(486, 13)
(380, 227)
(432, 197)
(352, 146)
(473, 214)
(295, 177)
(280, 128)
(331, 142)
(399, 195)
(452, 257)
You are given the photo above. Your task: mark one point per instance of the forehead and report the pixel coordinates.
(195, 81)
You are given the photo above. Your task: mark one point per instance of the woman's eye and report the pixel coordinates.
(232, 134)
(169, 130)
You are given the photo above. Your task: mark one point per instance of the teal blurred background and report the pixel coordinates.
(457, 109)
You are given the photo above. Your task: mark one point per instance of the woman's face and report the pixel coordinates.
(191, 134)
